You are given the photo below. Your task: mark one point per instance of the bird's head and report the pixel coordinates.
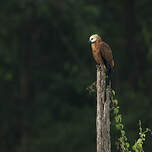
(94, 38)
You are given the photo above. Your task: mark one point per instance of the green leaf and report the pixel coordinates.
(139, 141)
(116, 110)
(118, 118)
(115, 101)
(122, 132)
(121, 139)
(134, 147)
(113, 92)
(119, 126)
(127, 145)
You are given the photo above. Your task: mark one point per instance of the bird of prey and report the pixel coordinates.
(101, 52)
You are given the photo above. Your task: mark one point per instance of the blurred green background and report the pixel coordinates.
(46, 65)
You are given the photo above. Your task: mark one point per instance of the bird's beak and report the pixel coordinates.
(89, 41)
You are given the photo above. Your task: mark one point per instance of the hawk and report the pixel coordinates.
(101, 52)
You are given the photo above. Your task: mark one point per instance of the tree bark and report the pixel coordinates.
(103, 110)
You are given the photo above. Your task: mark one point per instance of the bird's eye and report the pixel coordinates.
(91, 38)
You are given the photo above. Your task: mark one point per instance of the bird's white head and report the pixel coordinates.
(93, 38)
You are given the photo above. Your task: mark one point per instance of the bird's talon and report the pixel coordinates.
(105, 69)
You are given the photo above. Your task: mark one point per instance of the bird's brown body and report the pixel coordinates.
(101, 52)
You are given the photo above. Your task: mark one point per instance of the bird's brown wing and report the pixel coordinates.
(106, 53)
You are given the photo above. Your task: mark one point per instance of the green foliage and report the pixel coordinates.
(124, 144)
(138, 146)
(119, 126)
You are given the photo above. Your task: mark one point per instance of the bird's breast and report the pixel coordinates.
(96, 55)
(93, 47)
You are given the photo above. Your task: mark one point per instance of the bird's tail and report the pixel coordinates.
(109, 74)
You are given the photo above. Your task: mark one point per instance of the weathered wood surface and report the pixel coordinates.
(103, 112)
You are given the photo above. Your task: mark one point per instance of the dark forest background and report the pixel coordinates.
(46, 65)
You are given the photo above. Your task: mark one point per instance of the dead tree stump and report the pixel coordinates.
(103, 112)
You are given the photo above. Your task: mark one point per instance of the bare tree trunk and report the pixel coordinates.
(103, 116)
